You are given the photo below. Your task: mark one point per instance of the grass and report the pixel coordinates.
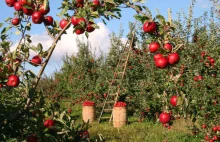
(137, 132)
(140, 132)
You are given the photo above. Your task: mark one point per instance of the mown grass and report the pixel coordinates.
(137, 131)
(140, 132)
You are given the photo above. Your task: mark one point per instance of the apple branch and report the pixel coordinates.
(20, 113)
(49, 32)
(23, 35)
(138, 10)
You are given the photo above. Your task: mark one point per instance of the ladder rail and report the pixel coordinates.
(123, 52)
(124, 70)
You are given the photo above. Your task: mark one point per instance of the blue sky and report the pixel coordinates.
(127, 14)
(114, 25)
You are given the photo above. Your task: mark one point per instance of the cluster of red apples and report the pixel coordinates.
(82, 23)
(37, 12)
(165, 117)
(13, 80)
(160, 60)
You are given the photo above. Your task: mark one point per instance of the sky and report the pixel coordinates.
(100, 37)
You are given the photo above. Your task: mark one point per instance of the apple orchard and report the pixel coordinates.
(173, 71)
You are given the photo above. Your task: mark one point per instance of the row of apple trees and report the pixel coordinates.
(183, 83)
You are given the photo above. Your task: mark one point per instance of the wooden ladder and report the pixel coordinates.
(115, 85)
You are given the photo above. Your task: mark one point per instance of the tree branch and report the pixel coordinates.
(49, 32)
(138, 10)
(20, 113)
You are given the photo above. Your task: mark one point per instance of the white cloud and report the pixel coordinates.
(67, 44)
(98, 39)
(203, 3)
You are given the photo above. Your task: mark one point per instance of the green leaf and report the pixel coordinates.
(161, 19)
(28, 6)
(138, 7)
(179, 100)
(95, 26)
(141, 18)
(104, 21)
(147, 10)
(28, 26)
(87, 34)
(46, 4)
(5, 30)
(61, 115)
(33, 48)
(64, 10)
(39, 47)
(110, 1)
(1, 24)
(138, 17)
(9, 18)
(107, 13)
(148, 41)
(3, 37)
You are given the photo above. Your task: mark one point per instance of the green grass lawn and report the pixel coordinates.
(138, 131)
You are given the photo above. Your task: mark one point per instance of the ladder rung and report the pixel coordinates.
(120, 72)
(113, 94)
(107, 110)
(105, 117)
(110, 102)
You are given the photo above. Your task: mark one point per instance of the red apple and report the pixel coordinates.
(32, 138)
(173, 58)
(215, 137)
(10, 3)
(36, 60)
(154, 46)
(48, 123)
(18, 6)
(13, 81)
(195, 78)
(96, 3)
(215, 128)
(81, 21)
(48, 20)
(168, 47)
(37, 17)
(89, 27)
(24, 2)
(157, 56)
(15, 21)
(161, 62)
(206, 138)
(203, 126)
(63, 24)
(28, 11)
(149, 27)
(164, 117)
(212, 61)
(45, 10)
(79, 31)
(69, 110)
(79, 1)
(173, 100)
(74, 21)
(199, 78)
